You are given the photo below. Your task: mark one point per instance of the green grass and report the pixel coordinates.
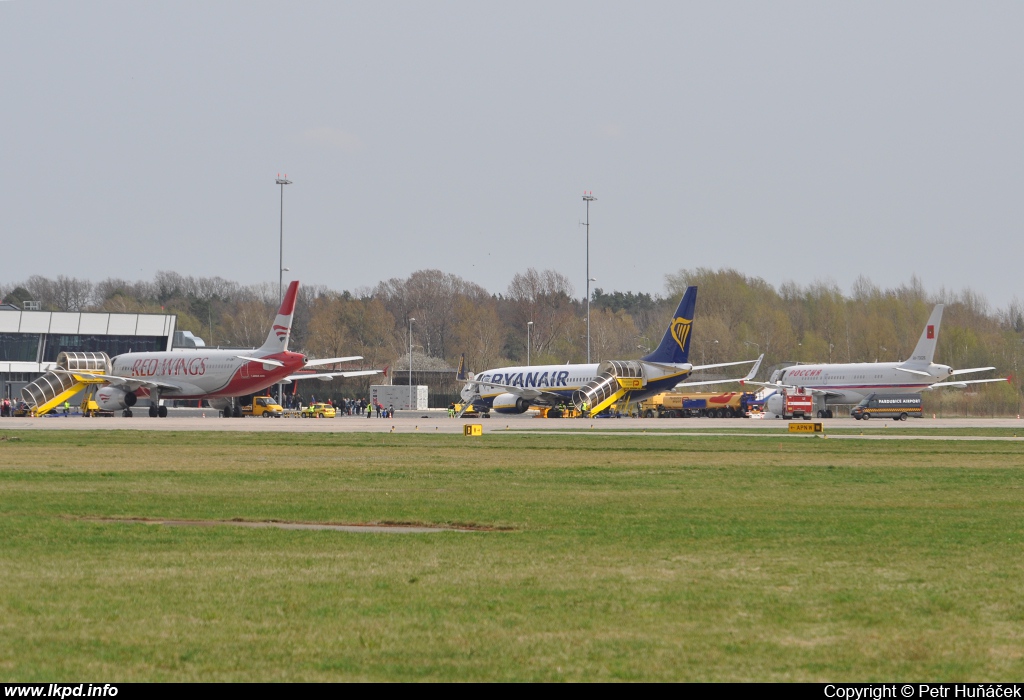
(629, 557)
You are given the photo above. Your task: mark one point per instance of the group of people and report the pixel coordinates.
(343, 407)
(382, 411)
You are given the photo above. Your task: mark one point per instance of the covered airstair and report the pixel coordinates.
(60, 384)
(614, 380)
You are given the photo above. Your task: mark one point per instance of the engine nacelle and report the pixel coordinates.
(111, 398)
(220, 404)
(775, 404)
(510, 403)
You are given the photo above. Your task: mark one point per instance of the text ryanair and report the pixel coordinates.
(528, 379)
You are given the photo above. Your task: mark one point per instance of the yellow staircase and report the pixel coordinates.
(603, 392)
(59, 385)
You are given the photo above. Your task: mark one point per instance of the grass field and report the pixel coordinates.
(625, 557)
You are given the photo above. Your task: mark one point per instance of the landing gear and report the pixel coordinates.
(153, 412)
(236, 411)
(162, 411)
(828, 413)
(126, 413)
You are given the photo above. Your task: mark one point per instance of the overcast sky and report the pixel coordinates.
(788, 140)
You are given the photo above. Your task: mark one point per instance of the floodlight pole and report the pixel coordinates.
(282, 181)
(529, 326)
(411, 320)
(588, 198)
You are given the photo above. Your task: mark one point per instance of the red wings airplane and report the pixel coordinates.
(852, 382)
(216, 375)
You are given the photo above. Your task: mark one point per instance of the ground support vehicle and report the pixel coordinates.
(470, 412)
(264, 406)
(558, 412)
(671, 404)
(318, 410)
(895, 406)
(791, 403)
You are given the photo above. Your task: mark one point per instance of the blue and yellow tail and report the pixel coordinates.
(675, 346)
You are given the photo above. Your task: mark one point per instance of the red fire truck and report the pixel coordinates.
(791, 403)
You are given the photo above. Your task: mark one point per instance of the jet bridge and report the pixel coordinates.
(60, 384)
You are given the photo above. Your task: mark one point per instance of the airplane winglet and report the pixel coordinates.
(753, 370)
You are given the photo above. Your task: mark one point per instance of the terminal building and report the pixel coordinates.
(31, 340)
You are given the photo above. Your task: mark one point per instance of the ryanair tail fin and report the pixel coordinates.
(460, 374)
(675, 346)
(924, 353)
(281, 331)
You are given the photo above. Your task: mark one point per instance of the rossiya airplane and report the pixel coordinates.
(850, 383)
(591, 388)
(216, 375)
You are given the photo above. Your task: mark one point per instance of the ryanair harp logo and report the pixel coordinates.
(681, 331)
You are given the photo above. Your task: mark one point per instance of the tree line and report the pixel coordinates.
(737, 317)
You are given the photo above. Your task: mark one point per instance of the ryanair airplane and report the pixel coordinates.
(591, 388)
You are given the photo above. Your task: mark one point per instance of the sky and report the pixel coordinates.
(793, 141)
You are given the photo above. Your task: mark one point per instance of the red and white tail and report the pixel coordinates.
(281, 331)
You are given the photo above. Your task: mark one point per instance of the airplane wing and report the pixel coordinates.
(963, 384)
(728, 364)
(327, 376)
(741, 380)
(527, 393)
(807, 389)
(331, 360)
(129, 383)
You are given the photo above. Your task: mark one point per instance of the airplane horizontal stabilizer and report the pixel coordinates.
(332, 360)
(963, 384)
(912, 371)
(327, 376)
(264, 360)
(969, 371)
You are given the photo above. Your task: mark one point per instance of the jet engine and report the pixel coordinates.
(510, 403)
(113, 399)
(220, 404)
(775, 404)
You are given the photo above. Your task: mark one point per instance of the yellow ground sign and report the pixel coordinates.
(472, 430)
(805, 427)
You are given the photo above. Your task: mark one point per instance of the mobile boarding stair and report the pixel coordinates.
(615, 380)
(60, 384)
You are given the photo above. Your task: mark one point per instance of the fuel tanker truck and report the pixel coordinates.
(671, 404)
